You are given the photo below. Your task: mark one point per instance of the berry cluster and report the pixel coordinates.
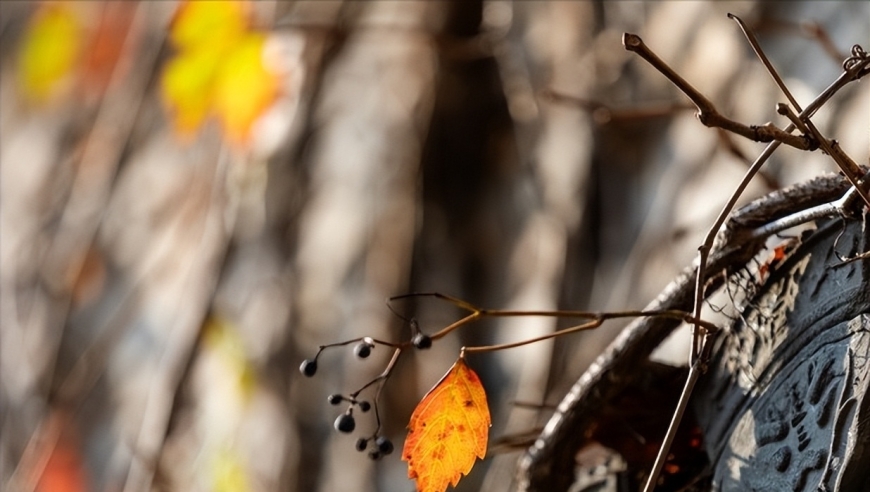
(377, 445)
(382, 446)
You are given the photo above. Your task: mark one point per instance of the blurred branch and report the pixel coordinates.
(603, 114)
(811, 30)
(98, 165)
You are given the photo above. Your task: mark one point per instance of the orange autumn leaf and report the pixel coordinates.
(448, 430)
(218, 70)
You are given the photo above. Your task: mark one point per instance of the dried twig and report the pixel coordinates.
(846, 164)
(707, 113)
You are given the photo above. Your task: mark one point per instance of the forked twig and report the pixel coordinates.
(805, 124)
(707, 113)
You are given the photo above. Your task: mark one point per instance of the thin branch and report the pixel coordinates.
(381, 380)
(731, 147)
(845, 163)
(706, 111)
(695, 372)
(753, 41)
(841, 207)
(595, 320)
(785, 110)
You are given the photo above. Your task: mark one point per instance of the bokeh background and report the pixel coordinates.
(171, 252)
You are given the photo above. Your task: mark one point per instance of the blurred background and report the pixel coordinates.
(194, 197)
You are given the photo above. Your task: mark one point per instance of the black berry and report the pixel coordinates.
(421, 341)
(364, 406)
(362, 350)
(385, 446)
(361, 444)
(308, 367)
(335, 399)
(374, 455)
(345, 423)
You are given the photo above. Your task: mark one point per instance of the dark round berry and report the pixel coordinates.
(308, 367)
(361, 444)
(345, 423)
(385, 446)
(364, 406)
(362, 350)
(421, 341)
(335, 399)
(374, 455)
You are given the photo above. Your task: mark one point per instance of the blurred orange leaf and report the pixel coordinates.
(107, 43)
(218, 70)
(49, 50)
(448, 430)
(64, 469)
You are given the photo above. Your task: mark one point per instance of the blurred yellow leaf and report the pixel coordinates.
(202, 23)
(220, 336)
(244, 88)
(187, 83)
(49, 50)
(229, 473)
(218, 70)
